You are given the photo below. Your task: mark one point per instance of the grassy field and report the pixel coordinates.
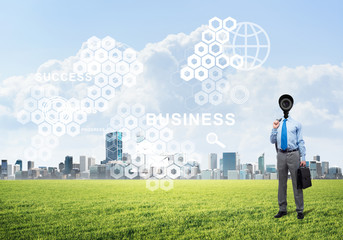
(194, 209)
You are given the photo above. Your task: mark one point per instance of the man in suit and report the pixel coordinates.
(291, 154)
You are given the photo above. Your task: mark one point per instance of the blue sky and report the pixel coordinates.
(301, 32)
(305, 60)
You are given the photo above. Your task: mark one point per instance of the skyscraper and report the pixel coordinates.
(20, 163)
(261, 163)
(91, 162)
(68, 164)
(83, 164)
(228, 162)
(316, 158)
(212, 161)
(30, 164)
(114, 147)
(3, 168)
(325, 168)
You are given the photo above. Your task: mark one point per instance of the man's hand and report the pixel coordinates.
(276, 124)
(303, 164)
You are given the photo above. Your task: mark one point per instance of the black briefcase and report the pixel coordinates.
(303, 178)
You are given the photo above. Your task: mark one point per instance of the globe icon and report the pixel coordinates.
(251, 42)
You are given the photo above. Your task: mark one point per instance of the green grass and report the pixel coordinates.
(194, 209)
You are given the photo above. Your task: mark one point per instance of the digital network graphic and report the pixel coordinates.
(104, 68)
(243, 46)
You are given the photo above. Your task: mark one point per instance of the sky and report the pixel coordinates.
(305, 60)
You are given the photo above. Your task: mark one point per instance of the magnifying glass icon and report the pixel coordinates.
(212, 138)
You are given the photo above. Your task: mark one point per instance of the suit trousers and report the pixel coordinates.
(289, 161)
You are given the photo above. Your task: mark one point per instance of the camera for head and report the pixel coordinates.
(286, 104)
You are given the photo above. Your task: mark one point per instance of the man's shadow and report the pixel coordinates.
(305, 212)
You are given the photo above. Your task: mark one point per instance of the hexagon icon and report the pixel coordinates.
(86, 55)
(173, 146)
(66, 116)
(166, 134)
(131, 122)
(123, 110)
(44, 129)
(201, 98)
(23, 116)
(115, 55)
(87, 105)
(58, 104)
(187, 73)
(80, 117)
(94, 68)
(37, 117)
(222, 36)
(115, 80)
(208, 36)
(108, 68)
(131, 171)
(51, 91)
(73, 104)
(129, 55)
(173, 171)
(73, 129)
(30, 153)
(159, 172)
(108, 43)
(37, 141)
(194, 61)
(187, 147)
(37, 92)
(117, 171)
(222, 61)
(80, 67)
(143, 123)
(116, 122)
(94, 43)
(152, 135)
(101, 55)
(44, 153)
(201, 73)
(152, 184)
(129, 80)
(137, 161)
(208, 61)
(100, 80)
(144, 172)
(215, 98)
(30, 104)
(215, 73)
(122, 67)
(229, 24)
(138, 110)
(58, 129)
(51, 116)
(237, 61)
(94, 92)
(166, 184)
(101, 104)
(108, 92)
(215, 24)
(222, 86)
(159, 147)
(208, 86)
(51, 141)
(179, 160)
(136, 67)
(201, 49)
(187, 171)
(215, 48)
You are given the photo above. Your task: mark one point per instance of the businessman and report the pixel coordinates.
(291, 152)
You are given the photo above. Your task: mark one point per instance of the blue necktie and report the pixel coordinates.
(284, 135)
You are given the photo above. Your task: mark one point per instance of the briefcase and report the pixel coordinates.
(303, 178)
